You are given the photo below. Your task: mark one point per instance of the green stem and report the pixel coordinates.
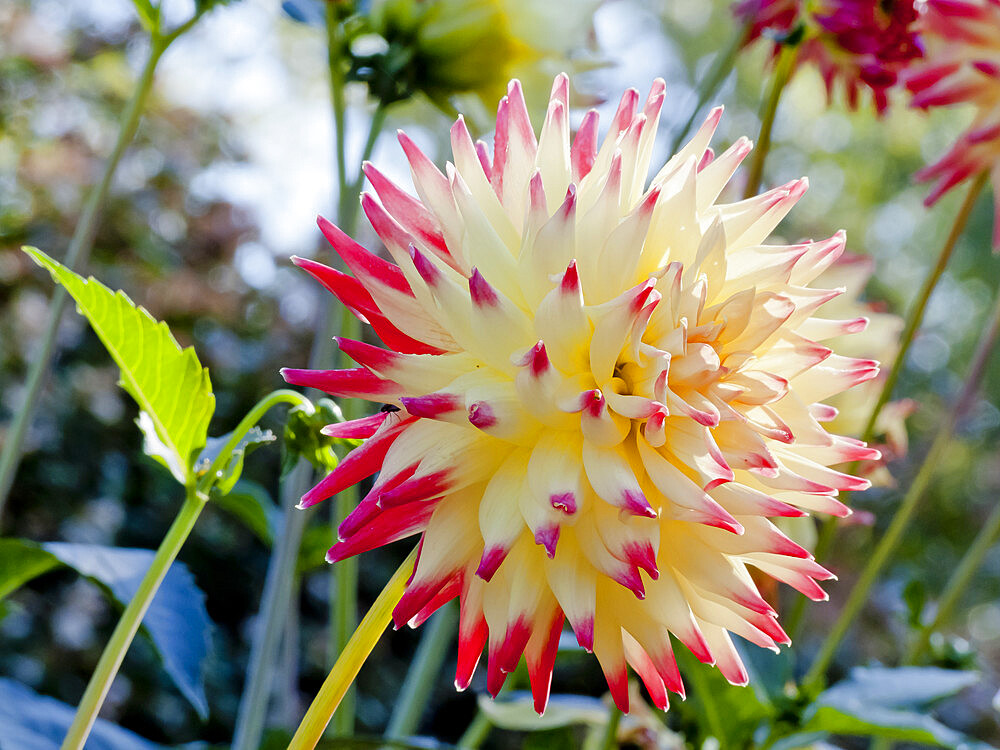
(423, 672)
(280, 396)
(479, 729)
(76, 255)
(722, 66)
(610, 739)
(703, 690)
(279, 581)
(128, 625)
(957, 584)
(476, 733)
(887, 545)
(914, 318)
(783, 70)
(916, 314)
(344, 580)
(277, 593)
(353, 657)
(275, 601)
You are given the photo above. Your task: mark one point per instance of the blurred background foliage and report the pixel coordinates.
(232, 162)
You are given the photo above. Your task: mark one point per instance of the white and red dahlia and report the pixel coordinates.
(600, 387)
(962, 66)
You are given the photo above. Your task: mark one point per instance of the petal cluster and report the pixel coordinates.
(881, 342)
(962, 66)
(859, 43)
(599, 387)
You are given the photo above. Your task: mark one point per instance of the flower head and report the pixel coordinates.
(476, 46)
(600, 387)
(861, 44)
(962, 66)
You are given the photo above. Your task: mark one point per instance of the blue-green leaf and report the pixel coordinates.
(901, 687)
(883, 702)
(169, 384)
(30, 720)
(176, 623)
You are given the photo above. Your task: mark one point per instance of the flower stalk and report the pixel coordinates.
(959, 581)
(783, 70)
(722, 66)
(128, 625)
(423, 671)
(351, 659)
(78, 252)
(887, 545)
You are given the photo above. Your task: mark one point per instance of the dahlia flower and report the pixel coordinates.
(861, 43)
(963, 66)
(598, 389)
(881, 342)
(472, 46)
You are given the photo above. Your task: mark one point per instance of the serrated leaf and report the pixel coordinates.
(253, 439)
(167, 382)
(176, 622)
(30, 720)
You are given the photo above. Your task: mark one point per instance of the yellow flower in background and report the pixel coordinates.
(598, 389)
(476, 46)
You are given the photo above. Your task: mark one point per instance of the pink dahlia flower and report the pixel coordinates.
(963, 66)
(860, 43)
(600, 388)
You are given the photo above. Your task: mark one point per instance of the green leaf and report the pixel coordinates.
(250, 503)
(148, 15)
(551, 739)
(915, 599)
(877, 721)
(176, 623)
(884, 702)
(316, 540)
(253, 439)
(30, 720)
(741, 710)
(902, 687)
(169, 383)
(303, 439)
(19, 563)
